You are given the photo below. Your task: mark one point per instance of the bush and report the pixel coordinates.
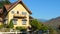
(11, 25)
(44, 28)
(21, 28)
(7, 29)
(35, 24)
(6, 26)
(1, 26)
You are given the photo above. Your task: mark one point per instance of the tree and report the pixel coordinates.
(2, 2)
(11, 25)
(44, 28)
(52, 30)
(38, 26)
(35, 24)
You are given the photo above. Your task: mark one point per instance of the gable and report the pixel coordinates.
(19, 7)
(16, 3)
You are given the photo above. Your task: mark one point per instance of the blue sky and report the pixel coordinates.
(43, 9)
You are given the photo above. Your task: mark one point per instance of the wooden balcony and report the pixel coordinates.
(19, 16)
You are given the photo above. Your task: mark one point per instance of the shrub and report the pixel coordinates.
(21, 28)
(35, 24)
(6, 26)
(1, 26)
(44, 28)
(11, 25)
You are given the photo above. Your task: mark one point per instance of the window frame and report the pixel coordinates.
(24, 13)
(12, 12)
(24, 21)
(15, 21)
(5, 21)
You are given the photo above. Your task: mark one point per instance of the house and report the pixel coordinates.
(17, 12)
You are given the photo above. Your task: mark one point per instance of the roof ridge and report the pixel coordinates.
(14, 4)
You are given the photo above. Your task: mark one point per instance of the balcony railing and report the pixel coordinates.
(19, 15)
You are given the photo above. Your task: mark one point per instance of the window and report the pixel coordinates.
(24, 21)
(15, 21)
(5, 21)
(12, 12)
(17, 12)
(24, 13)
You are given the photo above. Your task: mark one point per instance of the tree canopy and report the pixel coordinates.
(2, 2)
(35, 24)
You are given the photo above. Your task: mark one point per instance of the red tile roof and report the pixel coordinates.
(9, 7)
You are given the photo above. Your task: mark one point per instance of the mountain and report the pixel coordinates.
(55, 22)
(42, 20)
